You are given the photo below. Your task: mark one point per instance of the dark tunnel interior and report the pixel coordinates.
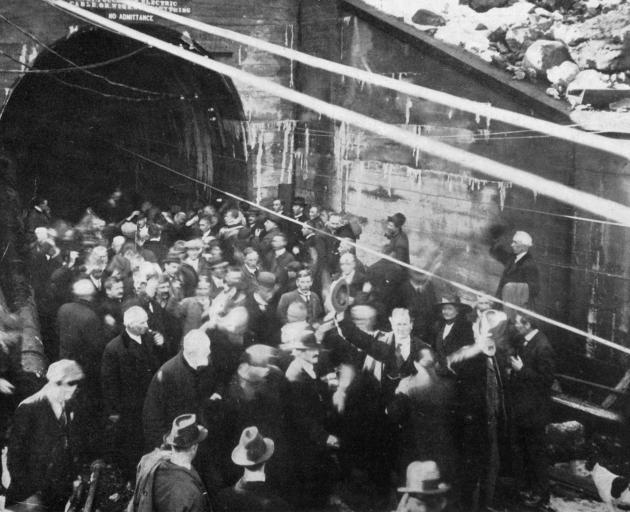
(69, 129)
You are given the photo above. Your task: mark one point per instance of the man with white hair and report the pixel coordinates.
(188, 383)
(129, 362)
(520, 269)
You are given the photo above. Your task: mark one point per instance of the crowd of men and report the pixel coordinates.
(226, 358)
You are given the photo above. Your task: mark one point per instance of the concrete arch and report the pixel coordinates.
(66, 129)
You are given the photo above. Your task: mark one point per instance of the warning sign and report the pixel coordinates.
(121, 12)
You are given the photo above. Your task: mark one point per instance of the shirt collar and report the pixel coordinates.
(520, 256)
(280, 252)
(134, 337)
(530, 335)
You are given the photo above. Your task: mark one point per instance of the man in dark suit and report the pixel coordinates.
(389, 356)
(310, 439)
(251, 492)
(191, 382)
(520, 267)
(311, 300)
(530, 382)
(279, 258)
(417, 294)
(398, 246)
(47, 440)
(129, 362)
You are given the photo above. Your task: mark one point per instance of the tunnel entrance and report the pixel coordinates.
(72, 130)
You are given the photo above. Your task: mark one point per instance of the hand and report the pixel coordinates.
(158, 339)
(295, 251)
(517, 363)
(216, 396)
(113, 418)
(109, 320)
(6, 388)
(403, 387)
(333, 442)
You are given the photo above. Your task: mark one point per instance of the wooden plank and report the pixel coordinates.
(621, 387)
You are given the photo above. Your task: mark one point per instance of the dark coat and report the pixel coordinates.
(179, 389)
(314, 307)
(263, 323)
(398, 247)
(470, 375)
(250, 496)
(531, 386)
(43, 451)
(524, 270)
(81, 339)
(420, 305)
(177, 489)
(310, 412)
(126, 372)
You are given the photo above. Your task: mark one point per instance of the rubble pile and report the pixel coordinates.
(564, 46)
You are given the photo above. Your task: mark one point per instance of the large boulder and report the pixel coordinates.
(588, 79)
(563, 74)
(427, 17)
(485, 5)
(543, 55)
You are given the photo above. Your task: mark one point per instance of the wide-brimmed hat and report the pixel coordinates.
(185, 432)
(305, 341)
(424, 478)
(298, 201)
(398, 219)
(452, 299)
(340, 295)
(252, 448)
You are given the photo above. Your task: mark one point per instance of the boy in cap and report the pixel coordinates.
(251, 492)
(46, 440)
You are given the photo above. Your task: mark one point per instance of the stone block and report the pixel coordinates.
(543, 55)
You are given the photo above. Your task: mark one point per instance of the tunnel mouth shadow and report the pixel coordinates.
(98, 98)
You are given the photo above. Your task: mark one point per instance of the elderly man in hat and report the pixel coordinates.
(167, 480)
(520, 281)
(310, 406)
(251, 492)
(47, 440)
(424, 490)
(129, 362)
(398, 246)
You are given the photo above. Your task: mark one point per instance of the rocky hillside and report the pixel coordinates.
(578, 50)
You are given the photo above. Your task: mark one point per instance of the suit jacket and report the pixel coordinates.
(398, 247)
(278, 263)
(42, 448)
(470, 375)
(126, 372)
(248, 496)
(524, 270)
(81, 339)
(314, 307)
(531, 386)
(395, 367)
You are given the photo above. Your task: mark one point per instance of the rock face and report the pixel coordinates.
(543, 55)
(426, 17)
(551, 41)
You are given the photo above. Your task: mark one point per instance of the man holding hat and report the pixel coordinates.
(167, 481)
(251, 492)
(423, 491)
(47, 439)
